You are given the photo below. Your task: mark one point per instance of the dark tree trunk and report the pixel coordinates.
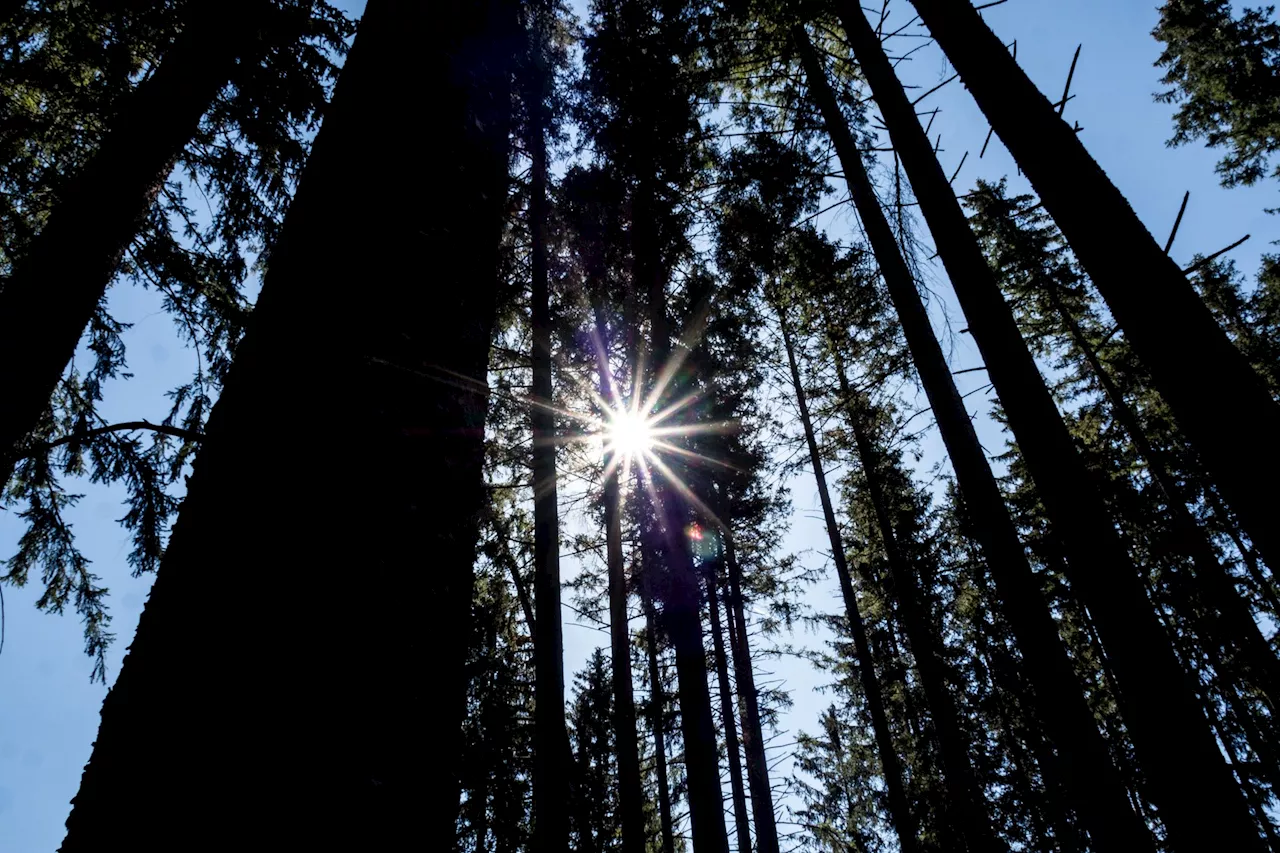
(56, 285)
(749, 701)
(740, 817)
(1057, 694)
(967, 804)
(550, 773)
(682, 599)
(657, 701)
(1158, 702)
(294, 715)
(630, 790)
(1220, 402)
(904, 823)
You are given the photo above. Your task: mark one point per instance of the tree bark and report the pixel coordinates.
(550, 772)
(293, 713)
(1156, 696)
(740, 817)
(758, 783)
(1057, 694)
(56, 285)
(656, 702)
(904, 822)
(1222, 405)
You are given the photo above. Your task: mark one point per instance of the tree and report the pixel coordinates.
(402, 445)
(1170, 328)
(1224, 74)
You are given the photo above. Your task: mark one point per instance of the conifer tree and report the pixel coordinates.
(195, 708)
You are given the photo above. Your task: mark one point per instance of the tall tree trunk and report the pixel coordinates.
(904, 823)
(292, 715)
(1232, 620)
(1057, 694)
(1158, 702)
(740, 817)
(748, 698)
(681, 614)
(1221, 404)
(56, 285)
(550, 773)
(967, 804)
(657, 701)
(630, 791)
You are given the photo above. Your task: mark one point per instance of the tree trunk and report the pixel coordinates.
(1058, 699)
(740, 817)
(1221, 404)
(967, 804)
(904, 823)
(1157, 700)
(293, 714)
(656, 703)
(748, 700)
(56, 285)
(682, 600)
(630, 791)
(550, 773)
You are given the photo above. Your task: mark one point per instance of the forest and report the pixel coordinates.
(634, 425)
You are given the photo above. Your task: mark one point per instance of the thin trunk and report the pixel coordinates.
(550, 773)
(56, 285)
(967, 802)
(749, 701)
(1158, 702)
(899, 806)
(740, 817)
(657, 701)
(1057, 696)
(682, 616)
(1222, 405)
(198, 713)
(630, 791)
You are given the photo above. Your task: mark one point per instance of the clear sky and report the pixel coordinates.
(48, 708)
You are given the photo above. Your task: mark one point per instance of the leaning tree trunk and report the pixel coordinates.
(1158, 703)
(682, 600)
(1057, 695)
(762, 815)
(900, 814)
(967, 805)
(736, 788)
(550, 772)
(291, 711)
(56, 285)
(1221, 404)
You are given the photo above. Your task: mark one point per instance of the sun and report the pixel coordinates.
(628, 434)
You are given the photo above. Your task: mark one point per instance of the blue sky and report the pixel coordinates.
(48, 708)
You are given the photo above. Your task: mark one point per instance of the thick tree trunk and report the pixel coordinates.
(1057, 694)
(550, 773)
(56, 285)
(1221, 404)
(293, 714)
(657, 701)
(682, 600)
(967, 804)
(758, 783)
(1158, 702)
(904, 823)
(736, 787)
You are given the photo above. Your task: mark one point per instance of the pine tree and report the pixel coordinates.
(198, 712)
